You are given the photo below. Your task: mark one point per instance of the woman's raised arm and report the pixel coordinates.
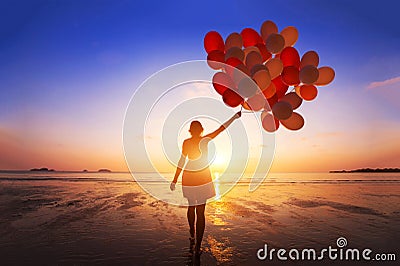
(223, 126)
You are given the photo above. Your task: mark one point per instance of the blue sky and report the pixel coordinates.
(68, 68)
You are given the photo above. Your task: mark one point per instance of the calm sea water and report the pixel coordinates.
(321, 177)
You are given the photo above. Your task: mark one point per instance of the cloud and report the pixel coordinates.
(378, 84)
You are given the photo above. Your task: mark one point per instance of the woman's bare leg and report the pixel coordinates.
(200, 225)
(191, 218)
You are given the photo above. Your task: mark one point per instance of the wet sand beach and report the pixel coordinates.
(104, 222)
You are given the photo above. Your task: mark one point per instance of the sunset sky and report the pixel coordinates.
(69, 68)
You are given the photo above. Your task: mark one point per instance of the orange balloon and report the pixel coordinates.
(290, 34)
(282, 110)
(309, 58)
(275, 43)
(235, 52)
(267, 28)
(326, 75)
(246, 106)
(213, 41)
(292, 98)
(275, 67)
(257, 68)
(269, 123)
(252, 59)
(297, 90)
(262, 78)
(308, 92)
(216, 59)
(250, 49)
(309, 74)
(270, 91)
(256, 102)
(290, 75)
(294, 122)
(233, 40)
(290, 57)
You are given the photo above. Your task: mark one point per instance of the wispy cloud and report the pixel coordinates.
(384, 83)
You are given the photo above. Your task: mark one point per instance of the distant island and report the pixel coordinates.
(369, 170)
(104, 171)
(43, 169)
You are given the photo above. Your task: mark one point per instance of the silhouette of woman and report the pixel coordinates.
(197, 185)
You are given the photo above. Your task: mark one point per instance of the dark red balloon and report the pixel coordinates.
(233, 62)
(281, 88)
(215, 58)
(290, 75)
(271, 102)
(213, 41)
(263, 51)
(290, 57)
(231, 98)
(222, 82)
(250, 37)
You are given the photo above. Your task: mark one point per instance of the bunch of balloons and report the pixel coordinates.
(268, 65)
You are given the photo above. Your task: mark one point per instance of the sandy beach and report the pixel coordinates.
(104, 222)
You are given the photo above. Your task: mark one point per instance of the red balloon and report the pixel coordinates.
(269, 123)
(290, 57)
(250, 37)
(290, 75)
(263, 51)
(231, 98)
(233, 62)
(281, 88)
(215, 58)
(271, 102)
(222, 82)
(213, 41)
(308, 92)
